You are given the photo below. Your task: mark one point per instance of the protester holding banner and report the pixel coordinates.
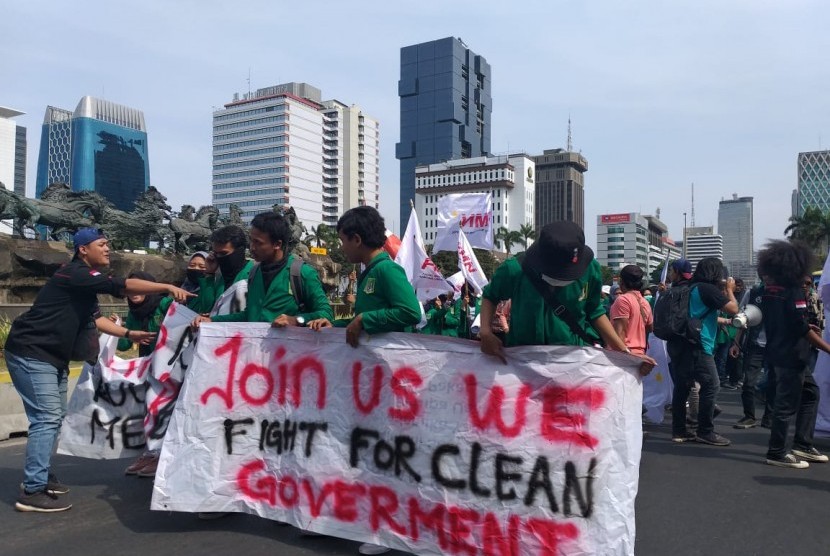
(385, 301)
(282, 289)
(555, 290)
(54, 331)
(227, 260)
(790, 342)
(450, 317)
(195, 274)
(436, 311)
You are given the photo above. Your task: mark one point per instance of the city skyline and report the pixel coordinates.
(671, 97)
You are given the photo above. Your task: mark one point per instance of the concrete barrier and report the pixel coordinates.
(12, 417)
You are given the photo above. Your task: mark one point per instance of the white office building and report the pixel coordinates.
(12, 151)
(701, 243)
(283, 146)
(632, 238)
(509, 179)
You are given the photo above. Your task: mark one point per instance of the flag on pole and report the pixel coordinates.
(471, 212)
(468, 263)
(421, 272)
(663, 275)
(457, 281)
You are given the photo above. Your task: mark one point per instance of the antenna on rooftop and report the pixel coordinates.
(693, 204)
(249, 81)
(570, 143)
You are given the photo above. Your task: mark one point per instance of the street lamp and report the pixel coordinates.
(684, 235)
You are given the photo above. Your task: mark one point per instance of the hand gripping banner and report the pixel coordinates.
(418, 443)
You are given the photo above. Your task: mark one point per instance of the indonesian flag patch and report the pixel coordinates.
(94, 273)
(801, 304)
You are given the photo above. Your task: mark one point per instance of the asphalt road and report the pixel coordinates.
(693, 499)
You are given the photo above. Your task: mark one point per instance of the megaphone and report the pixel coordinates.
(749, 317)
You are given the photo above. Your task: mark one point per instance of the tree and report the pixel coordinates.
(527, 232)
(322, 235)
(508, 238)
(607, 275)
(813, 228)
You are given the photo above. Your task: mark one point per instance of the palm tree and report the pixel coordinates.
(527, 232)
(321, 235)
(508, 238)
(813, 228)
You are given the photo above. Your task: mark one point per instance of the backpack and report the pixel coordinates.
(671, 316)
(295, 281)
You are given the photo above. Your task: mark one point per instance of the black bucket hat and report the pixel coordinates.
(560, 252)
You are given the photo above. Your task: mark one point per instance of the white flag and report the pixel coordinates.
(421, 272)
(457, 281)
(468, 263)
(471, 212)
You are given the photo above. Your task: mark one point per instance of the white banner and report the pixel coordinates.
(233, 299)
(468, 263)
(421, 272)
(471, 212)
(105, 415)
(171, 358)
(457, 281)
(422, 444)
(658, 385)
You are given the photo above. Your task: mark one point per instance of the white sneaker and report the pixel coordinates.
(810, 454)
(369, 548)
(788, 460)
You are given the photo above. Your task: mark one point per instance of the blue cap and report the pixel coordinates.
(682, 267)
(85, 236)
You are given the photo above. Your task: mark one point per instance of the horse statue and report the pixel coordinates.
(87, 203)
(234, 217)
(187, 213)
(298, 231)
(144, 224)
(194, 233)
(21, 211)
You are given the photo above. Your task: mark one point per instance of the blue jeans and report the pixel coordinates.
(43, 390)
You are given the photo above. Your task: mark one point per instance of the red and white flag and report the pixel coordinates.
(471, 212)
(468, 263)
(421, 272)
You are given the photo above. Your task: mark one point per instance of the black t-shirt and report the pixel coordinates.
(785, 324)
(69, 299)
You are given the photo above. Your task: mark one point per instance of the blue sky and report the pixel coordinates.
(661, 93)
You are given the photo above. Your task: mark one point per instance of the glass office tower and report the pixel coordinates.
(445, 109)
(100, 147)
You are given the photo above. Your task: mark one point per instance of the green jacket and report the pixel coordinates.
(265, 306)
(385, 298)
(435, 321)
(451, 321)
(211, 288)
(153, 325)
(466, 317)
(532, 322)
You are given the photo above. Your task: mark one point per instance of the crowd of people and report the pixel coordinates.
(550, 295)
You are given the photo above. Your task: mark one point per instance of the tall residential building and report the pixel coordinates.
(12, 151)
(632, 238)
(560, 187)
(101, 147)
(283, 145)
(735, 224)
(813, 181)
(509, 180)
(702, 242)
(445, 109)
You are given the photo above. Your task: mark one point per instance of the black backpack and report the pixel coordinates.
(296, 281)
(671, 316)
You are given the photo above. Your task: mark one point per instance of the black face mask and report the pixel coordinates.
(193, 275)
(232, 263)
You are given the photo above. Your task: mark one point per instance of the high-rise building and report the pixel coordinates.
(509, 180)
(632, 238)
(445, 109)
(560, 184)
(813, 181)
(702, 242)
(101, 147)
(283, 145)
(735, 224)
(12, 151)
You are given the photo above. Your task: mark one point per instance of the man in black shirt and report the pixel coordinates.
(790, 339)
(41, 343)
